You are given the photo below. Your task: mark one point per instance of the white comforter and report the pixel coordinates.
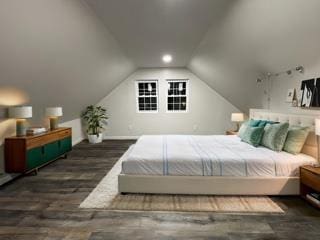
(214, 155)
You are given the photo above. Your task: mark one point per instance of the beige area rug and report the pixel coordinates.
(105, 196)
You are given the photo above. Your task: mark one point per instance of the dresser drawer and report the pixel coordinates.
(34, 157)
(48, 138)
(64, 133)
(65, 145)
(310, 179)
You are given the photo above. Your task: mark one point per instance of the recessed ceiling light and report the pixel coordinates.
(167, 58)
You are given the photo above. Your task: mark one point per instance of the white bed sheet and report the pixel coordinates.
(214, 155)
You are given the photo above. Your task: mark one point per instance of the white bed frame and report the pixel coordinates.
(217, 185)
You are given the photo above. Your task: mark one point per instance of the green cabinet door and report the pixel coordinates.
(34, 158)
(51, 151)
(65, 145)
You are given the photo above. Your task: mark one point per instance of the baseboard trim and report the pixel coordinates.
(75, 142)
(121, 137)
(7, 177)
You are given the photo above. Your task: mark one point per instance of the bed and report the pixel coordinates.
(215, 164)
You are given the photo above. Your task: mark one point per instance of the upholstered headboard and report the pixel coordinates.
(310, 147)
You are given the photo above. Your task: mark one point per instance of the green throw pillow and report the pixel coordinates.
(295, 139)
(263, 123)
(243, 128)
(244, 125)
(275, 135)
(254, 123)
(253, 135)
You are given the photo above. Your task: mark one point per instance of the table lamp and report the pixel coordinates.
(53, 113)
(20, 113)
(237, 117)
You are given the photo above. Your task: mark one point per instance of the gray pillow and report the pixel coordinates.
(295, 139)
(275, 135)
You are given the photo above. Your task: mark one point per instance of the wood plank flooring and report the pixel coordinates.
(45, 206)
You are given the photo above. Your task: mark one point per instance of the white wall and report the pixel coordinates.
(209, 113)
(281, 84)
(55, 53)
(256, 37)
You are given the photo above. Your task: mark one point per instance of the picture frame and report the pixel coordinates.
(310, 93)
(290, 95)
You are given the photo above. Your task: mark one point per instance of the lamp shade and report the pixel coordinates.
(54, 111)
(237, 117)
(317, 126)
(20, 112)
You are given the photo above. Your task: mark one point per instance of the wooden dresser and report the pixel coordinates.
(25, 154)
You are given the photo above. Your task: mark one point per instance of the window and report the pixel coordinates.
(177, 98)
(147, 95)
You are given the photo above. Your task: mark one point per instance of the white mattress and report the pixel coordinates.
(186, 155)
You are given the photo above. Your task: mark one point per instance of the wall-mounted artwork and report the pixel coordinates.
(310, 93)
(290, 95)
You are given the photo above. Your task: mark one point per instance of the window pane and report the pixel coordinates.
(177, 96)
(141, 107)
(184, 101)
(154, 106)
(147, 96)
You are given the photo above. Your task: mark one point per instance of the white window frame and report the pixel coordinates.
(187, 95)
(137, 95)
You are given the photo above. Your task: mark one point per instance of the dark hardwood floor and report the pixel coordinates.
(45, 206)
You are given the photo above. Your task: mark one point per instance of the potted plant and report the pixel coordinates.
(95, 118)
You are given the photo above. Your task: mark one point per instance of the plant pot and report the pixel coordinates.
(95, 138)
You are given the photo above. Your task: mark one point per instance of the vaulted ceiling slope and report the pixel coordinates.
(67, 53)
(57, 53)
(147, 29)
(257, 37)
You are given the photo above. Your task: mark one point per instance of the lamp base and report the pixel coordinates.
(237, 128)
(53, 123)
(21, 127)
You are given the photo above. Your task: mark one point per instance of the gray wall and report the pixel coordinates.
(257, 37)
(281, 84)
(58, 53)
(209, 113)
(55, 53)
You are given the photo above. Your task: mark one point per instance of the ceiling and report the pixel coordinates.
(147, 29)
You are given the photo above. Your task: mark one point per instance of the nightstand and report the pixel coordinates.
(309, 181)
(231, 132)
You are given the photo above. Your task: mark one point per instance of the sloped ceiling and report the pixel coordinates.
(56, 53)
(72, 53)
(147, 29)
(257, 37)
(227, 43)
